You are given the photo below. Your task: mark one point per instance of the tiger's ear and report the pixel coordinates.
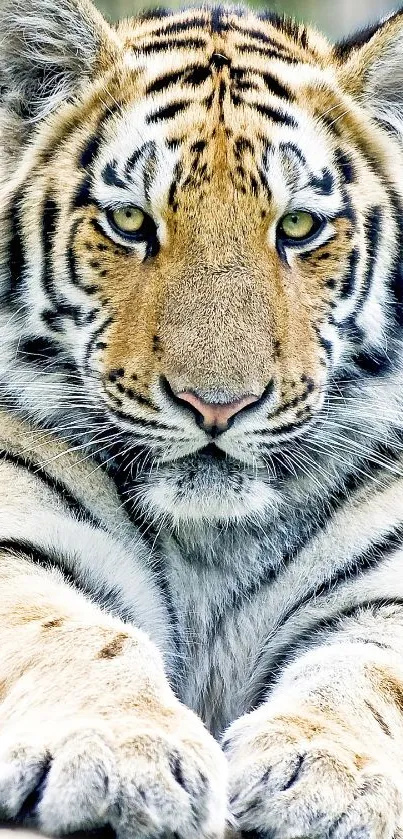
(48, 48)
(371, 69)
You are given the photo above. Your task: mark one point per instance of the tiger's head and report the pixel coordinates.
(201, 233)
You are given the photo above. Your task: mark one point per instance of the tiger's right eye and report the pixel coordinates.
(128, 220)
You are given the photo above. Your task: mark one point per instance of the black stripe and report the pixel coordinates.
(355, 41)
(218, 25)
(348, 284)
(198, 75)
(16, 254)
(74, 276)
(53, 317)
(50, 216)
(268, 53)
(140, 423)
(165, 81)
(270, 113)
(176, 27)
(374, 362)
(345, 166)
(373, 231)
(82, 196)
(295, 150)
(278, 89)
(167, 112)
(39, 556)
(155, 13)
(258, 35)
(330, 624)
(93, 340)
(364, 563)
(275, 116)
(39, 348)
(108, 598)
(150, 162)
(314, 635)
(396, 280)
(324, 183)
(110, 175)
(168, 44)
(71, 257)
(379, 718)
(90, 151)
(69, 499)
(135, 157)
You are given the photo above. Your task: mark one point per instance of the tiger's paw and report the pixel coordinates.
(138, 779)
(299, 776)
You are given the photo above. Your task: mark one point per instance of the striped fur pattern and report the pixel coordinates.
(158, 573)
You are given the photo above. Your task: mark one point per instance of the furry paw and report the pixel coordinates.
(302, 777)
(142, 780)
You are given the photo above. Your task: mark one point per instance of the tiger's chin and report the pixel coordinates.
(202, 489)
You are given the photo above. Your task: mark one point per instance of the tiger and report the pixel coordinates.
(201, 424)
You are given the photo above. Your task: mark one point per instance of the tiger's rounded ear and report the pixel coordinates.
(371, 69)
(48, 48)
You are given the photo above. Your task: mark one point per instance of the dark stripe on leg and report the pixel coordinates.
(369, 559)
(109, 598)
(58, 487)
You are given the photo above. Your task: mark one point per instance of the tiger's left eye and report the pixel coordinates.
(298, 225)
(128, 220)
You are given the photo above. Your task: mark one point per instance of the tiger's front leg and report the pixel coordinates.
(323, 756)
(90, 731)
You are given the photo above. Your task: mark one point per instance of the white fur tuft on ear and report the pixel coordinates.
(372, 69)
(47, 50)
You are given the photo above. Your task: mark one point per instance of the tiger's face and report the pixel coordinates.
(209, 230)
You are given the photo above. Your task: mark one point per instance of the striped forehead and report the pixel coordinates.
(198, 72)
(148, 142)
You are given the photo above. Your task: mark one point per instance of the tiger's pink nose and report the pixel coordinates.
(216, 416)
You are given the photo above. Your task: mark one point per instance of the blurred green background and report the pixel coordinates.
(335, 17)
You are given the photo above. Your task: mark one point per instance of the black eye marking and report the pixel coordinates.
(148, 149)
(90, 151)
(323, 183)
(110, 176)
(345, 165)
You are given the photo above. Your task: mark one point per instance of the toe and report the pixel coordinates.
(81, 785)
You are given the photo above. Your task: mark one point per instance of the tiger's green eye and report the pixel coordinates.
(128, 219)
(297, 225)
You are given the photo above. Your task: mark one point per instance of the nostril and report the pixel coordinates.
(215, 416)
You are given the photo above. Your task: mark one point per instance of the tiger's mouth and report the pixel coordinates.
(212, 454)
